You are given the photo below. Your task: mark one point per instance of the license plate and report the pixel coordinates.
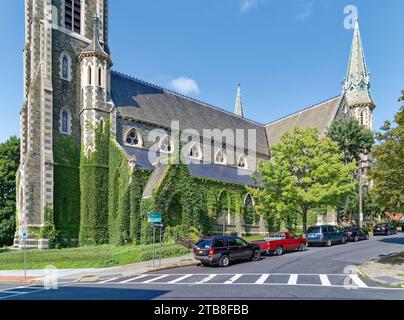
(201, 252)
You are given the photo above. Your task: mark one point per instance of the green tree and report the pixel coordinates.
(9, 162)
(352, 138)
(305, 172)
(388, 169)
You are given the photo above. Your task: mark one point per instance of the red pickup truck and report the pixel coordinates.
(279, 242)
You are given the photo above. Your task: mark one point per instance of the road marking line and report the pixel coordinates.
(324, 280)
(355, 278)
(234, 279)
(133, 279)
(262, 279)
(293, 279)
(210, 277)
(155, 279)
(106, 281)
(180, 278)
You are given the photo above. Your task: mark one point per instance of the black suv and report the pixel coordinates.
(355, 233)
(386, 229)
(221, 250)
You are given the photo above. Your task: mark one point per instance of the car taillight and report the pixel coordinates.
(194, 250)
(211, 251)
(349, 233)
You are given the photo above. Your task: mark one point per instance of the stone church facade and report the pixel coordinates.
(70, 90)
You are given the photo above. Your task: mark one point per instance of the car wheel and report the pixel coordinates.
(256, 255)
(279, 251)
(343, 240)
(356, 239)
(328, 243)
(367, 237)
(302, 247)
(224, 261)
(389, 233)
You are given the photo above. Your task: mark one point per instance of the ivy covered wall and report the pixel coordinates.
(94, 187)
(126, 187)
(67, 190)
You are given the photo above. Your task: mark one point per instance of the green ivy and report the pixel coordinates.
(67, 190)
(94, 187)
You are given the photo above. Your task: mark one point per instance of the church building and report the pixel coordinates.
(98, 147)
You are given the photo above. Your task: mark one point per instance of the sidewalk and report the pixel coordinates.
(388, 271)
(83, 275)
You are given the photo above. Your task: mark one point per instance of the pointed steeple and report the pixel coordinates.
(356, 85)
(95, 48)
(239, 110)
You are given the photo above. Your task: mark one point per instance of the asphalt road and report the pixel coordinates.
(318, 273)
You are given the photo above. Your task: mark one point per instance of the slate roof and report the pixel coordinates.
(319, 116)
(139, 100)
(208, 171)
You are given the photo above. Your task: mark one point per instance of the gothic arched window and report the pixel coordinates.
(65, 121)
(99, 77)
(195, 151)
(133, 138)
(220, 157)
(249, 201)
(166, 145)
(242, 162)
(89, 75)
(65, 66)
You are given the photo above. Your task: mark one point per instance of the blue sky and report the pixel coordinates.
(287, 54)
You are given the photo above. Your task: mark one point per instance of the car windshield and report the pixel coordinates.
(277, 235)
(204, 244)
(314, 230)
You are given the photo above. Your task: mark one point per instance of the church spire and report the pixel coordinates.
(239, 110)
(356, 85)
(95, 47)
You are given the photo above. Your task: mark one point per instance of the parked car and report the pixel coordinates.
(355, 233)
(325, 235)
(221, 250)
(279, 242)
(385, 229)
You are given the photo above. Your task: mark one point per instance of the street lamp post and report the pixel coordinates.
(360, 196)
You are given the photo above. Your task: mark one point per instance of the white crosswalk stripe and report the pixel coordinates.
(180, 278)
(293, 279)
(208, 278)
(108, 280)
(262, 279)
(324, 280)
(233, 279)
(133, 279)
(155, 279)
(355, 278)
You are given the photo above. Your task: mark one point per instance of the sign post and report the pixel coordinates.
(24, 236)
(155, 219)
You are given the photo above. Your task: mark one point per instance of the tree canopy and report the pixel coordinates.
(305, 172)
(352, 138)
(388, 169)
(9, 162)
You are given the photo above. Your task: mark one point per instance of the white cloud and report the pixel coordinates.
(247, 5)
(305, 9)
(185, 85)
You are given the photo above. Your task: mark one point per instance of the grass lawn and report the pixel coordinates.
(85, 257)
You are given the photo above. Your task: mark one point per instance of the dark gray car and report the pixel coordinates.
(221, 250)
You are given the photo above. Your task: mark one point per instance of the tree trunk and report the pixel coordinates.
(304, 219)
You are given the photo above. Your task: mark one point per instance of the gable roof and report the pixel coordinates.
(145, 102)
(319, 116)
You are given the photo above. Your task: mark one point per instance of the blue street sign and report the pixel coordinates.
(154, 217)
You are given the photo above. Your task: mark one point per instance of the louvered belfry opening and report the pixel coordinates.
(73, 15)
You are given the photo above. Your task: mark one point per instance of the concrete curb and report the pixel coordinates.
(386, 283)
